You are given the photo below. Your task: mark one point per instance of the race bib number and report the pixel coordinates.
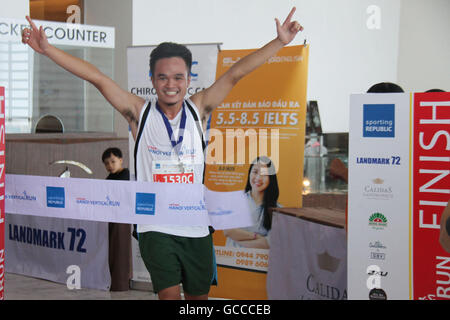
(172, 172)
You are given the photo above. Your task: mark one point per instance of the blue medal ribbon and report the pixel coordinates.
(169, 127)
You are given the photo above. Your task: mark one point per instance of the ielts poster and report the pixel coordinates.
(399, 184)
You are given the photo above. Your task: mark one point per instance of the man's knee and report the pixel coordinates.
(171, 293)
(200, 297)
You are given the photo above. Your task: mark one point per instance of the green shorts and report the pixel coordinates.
(172, 260)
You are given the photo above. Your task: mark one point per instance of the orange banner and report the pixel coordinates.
(256, 145)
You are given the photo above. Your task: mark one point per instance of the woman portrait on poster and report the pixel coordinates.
(262, 193)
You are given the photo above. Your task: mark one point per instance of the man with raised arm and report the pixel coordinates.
(173, 255)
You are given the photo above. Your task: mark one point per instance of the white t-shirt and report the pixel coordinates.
(155, 148)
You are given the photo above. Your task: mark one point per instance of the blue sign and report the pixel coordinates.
(56, 197)
(145, 203)
(379, 121)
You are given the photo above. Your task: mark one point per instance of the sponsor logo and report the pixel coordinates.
(178, 207)
(379, 120)
(377, 190)
(56, 197)
(377, 245)
(229, 61)
(154, 150)
(145, 203)
(393, 160)
(184, 151)
(36, 236)
(377, 255)
(377, 273)
(24, 197)
(377, 294)
(282, 59)
(377, 221)
(104, 203)
(220, 212)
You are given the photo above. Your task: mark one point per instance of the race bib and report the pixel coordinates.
(171, 171)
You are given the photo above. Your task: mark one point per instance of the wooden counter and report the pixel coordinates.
(325, 216)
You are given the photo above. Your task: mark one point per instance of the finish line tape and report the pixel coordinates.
(130, 202)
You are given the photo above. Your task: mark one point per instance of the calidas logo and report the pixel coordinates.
(378, 190)
(379, 120)
(56, 197)
(145, 203)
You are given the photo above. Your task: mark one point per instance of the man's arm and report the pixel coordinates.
(259, 243)
(238, 234)
(208, 99)
(127, 104)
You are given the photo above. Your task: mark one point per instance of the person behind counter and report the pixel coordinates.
(119, 233)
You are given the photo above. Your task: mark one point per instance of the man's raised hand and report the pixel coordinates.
(289, 29)
(35, 37)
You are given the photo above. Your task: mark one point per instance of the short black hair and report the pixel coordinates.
(385, 87)
(111, 151)
(169, 50)
(435, 90)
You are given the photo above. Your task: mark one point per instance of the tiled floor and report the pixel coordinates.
(19, 287)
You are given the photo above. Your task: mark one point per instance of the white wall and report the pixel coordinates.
(412, 47)
(424, 52)
(118, 14)
(16, 9)
(345, 56)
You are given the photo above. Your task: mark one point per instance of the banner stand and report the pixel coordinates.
(260, 123)
(399, 184)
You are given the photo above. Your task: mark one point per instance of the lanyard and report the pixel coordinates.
(169, 127)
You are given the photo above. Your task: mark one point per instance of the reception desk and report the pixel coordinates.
(308, 254)
(50, 248)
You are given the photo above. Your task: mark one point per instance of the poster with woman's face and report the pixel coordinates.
(256, 145)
